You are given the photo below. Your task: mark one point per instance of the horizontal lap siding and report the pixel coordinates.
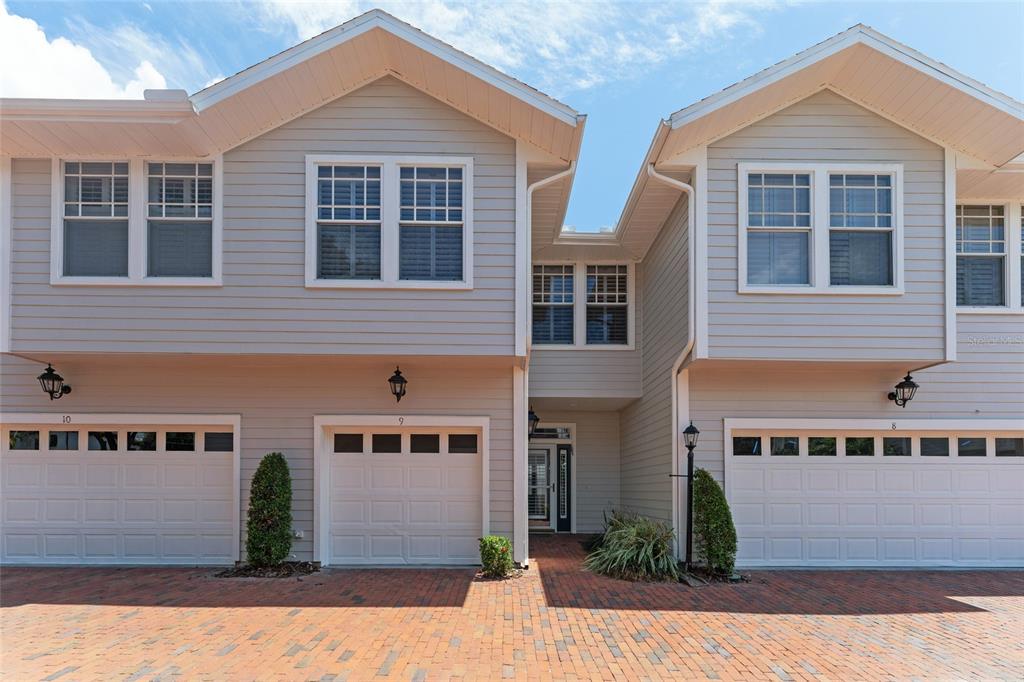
(264, 303)
(647, 423)
(825, 128)
(277, 399)
(597, 464)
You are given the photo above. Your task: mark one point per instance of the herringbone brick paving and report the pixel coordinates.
(555, 622)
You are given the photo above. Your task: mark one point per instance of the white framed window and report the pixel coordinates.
(130, 222)
(553, 304)
(815, 228)
(990, 257)
(389, 221)
(583, 304)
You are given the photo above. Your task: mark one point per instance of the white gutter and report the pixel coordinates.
(691, 213)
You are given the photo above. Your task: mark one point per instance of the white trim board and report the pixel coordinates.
(6, 252)
(322, 450)
(8, 419)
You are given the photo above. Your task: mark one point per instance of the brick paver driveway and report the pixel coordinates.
(555, 622)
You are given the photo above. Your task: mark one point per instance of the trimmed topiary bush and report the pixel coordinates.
(268, 539)
(496, 556)
(635, 547)
(713, 530)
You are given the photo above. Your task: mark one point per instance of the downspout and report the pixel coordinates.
(691, 217)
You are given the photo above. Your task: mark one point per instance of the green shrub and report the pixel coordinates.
(268, 538)
(713, 531)
(496, 556)
(635, 548)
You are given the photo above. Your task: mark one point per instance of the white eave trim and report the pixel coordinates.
(366, 22)
(859, 34)
(101, 110)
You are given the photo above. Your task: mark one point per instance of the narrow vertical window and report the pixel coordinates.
(348, 222)
(861, 229)
(95, 219)
(553, 300)
(431, 223)
(179, 214)
(778, 228)
(980, 255)
(607, 305)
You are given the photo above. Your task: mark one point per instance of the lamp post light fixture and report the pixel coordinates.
(532, 420)
(904, 392)
(690, 436)
(53, 383)
(398, 384)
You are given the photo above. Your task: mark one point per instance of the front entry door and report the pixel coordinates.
(538, 477)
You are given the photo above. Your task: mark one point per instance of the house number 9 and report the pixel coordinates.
(401, 420)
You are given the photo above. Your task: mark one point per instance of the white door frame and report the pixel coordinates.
(571, 440)
(550, 482)
(8, 419)
(322, 449)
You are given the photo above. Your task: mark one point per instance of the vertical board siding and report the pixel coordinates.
(646, 424)
(277, 398)
(263, 302)
(826, 128)
(597, 464)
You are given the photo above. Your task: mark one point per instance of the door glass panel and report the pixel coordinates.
(24, 440)
(821, 446)
(1009, 447)
(860, 447)
(935, 447)
(181, 441)
(387, 442)
(537, 498)
(971, 447)
(785, 446)
(896, 447)
(348, 442)
(142, 441)
(746, 446)
(563, 484)
(63, 440)
(219, 441)
(462, 443)
(428, 443)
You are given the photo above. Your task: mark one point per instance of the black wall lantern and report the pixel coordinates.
(398, 384)
(904, 392)
(53, 384)
(532, 420)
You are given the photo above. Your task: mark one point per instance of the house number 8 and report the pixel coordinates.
(894, 426)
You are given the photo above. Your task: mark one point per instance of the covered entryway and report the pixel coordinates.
(825, 496)
(119, 489)
(407, 491)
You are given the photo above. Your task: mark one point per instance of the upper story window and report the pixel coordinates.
(607, 305)
(129, 222)
(95, 229)
(388, 221)
(179, 210)
(576, 304)
(553, 309)
(820, 228)
(348, 215)
(980, 255)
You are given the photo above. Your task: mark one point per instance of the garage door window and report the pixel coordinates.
(103, 440)
(746, 446)
(425, 443)
(785, 446)
(181, 441)
(821, 446)
(860, 447)
(348, 442)
(462, 443)
(971, 447)
(63, 440)
(24, 440)
(1009, 447)
(896, 447)
(387, 443)
(142, 441)
(935, 447)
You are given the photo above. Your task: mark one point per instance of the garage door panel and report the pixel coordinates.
(140, 475)
(100, 546)
(877, 510)
(62, 475)
(180, 476)
(23, 474)
(60, 545)
(387, 511)
(60, 511)
(427, 478)
(425, 512)
(426, 547)
(23, 545)
(464, 547)
(100, 510)
(16, 510)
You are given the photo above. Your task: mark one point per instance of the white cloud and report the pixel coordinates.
(61, 67)
(559, 46)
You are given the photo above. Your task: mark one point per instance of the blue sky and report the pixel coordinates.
(626, 65)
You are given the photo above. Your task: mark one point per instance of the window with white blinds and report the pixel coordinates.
(179, 212)
(580, 304)
(553, 304)
(607, 305)
(389, 221)
(980, 255)
(820, 228)
(95, 226)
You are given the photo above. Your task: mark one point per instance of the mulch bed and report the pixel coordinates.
(288, 569)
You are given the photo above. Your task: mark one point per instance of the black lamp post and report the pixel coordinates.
(53, 384)
(904, 392)
(532, 420)
(690, 435)
(398, 384)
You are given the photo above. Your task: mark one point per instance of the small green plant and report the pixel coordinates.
(268, 537)
(635, 547)
(496, 556)
(713, 530)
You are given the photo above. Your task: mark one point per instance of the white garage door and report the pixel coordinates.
(867, 499)
(118, 494)
(409, 496)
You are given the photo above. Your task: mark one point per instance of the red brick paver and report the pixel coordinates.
(557, 621)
